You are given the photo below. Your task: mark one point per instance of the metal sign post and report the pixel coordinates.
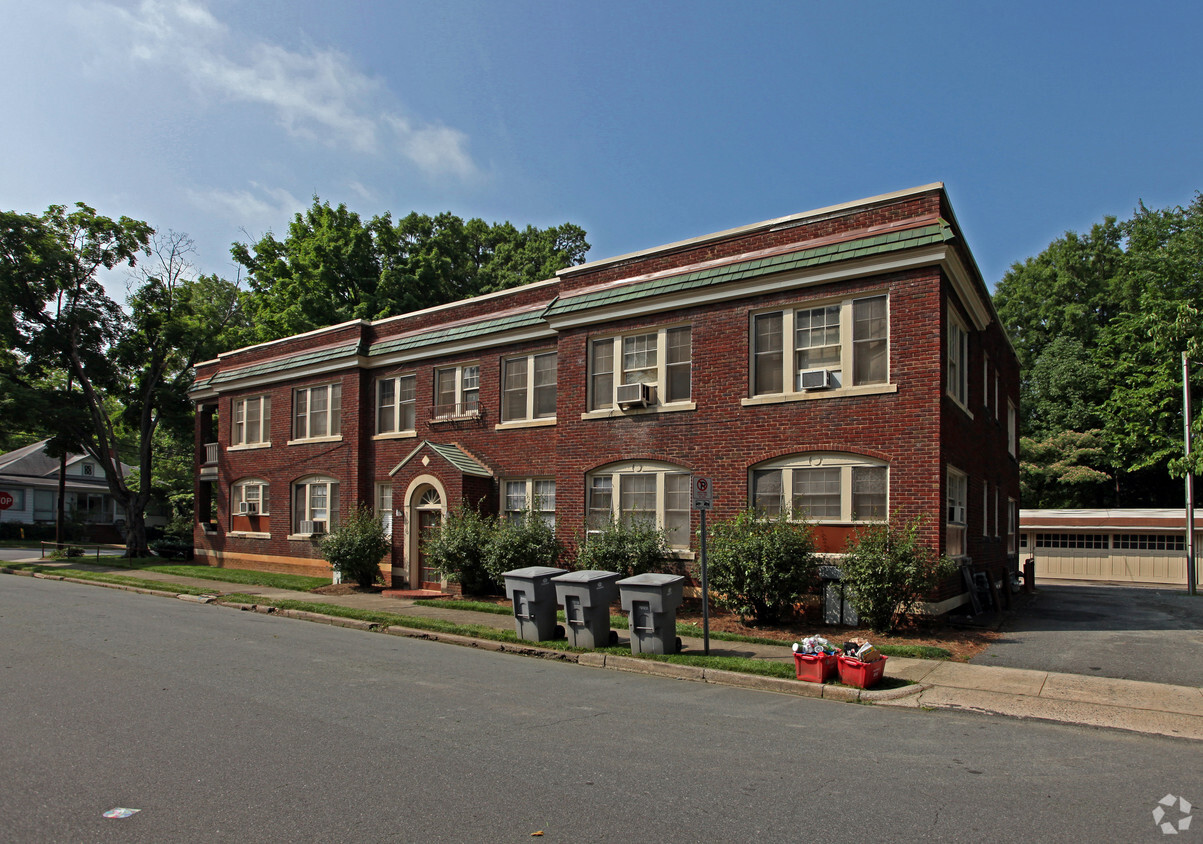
(703, 500)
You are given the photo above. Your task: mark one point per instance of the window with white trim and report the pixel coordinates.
(249, 497)
(821, 487)
(396, 404)
(252, 421)
(997, 514)
(956, 498)
(457, 391)
(985, 508)
(317, 411)
(1012, 429)
(528, 387)
(384, 506)
(315, 499)
(538, 494)
(18, 496)
(846, 340)
(1012, 519)
(958, 360)
(641, 491)
(662, 359)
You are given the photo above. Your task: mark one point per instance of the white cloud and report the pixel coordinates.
(318, 95)
(257, 208)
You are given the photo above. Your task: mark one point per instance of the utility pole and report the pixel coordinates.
(1190, 479)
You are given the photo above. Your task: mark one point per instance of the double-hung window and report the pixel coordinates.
(957, 497)
(528, 387)
(395, 404)
(650, 492)
(830, 346)
(314, 505)
(1012, 429)
(316, 411)
(533, 495)
(457, 391)
(661, 359)
(248, 497)
(252, 421)
(958, 361)
(821, 488)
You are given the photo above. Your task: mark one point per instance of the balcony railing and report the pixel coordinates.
(457, 410)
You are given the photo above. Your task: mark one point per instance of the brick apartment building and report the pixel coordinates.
(846, 364)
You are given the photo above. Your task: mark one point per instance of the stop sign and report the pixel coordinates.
(6, 500)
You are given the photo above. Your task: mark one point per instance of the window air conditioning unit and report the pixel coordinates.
(312, 528)
(814, 379)
(635, 395)
(248, 508)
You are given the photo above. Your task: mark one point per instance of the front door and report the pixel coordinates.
(428, 520)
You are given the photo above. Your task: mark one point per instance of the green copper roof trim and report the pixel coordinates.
(444, 334)
(454, 455)
(291, 362)
(878, 244)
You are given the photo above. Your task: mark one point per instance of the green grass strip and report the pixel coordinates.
(109, 577)
(243, 577)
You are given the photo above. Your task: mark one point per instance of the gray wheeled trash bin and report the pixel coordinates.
(534, 599)
(651, 602)
(586, 596)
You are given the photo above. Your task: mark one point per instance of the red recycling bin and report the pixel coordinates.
(815, 668)
(862, 675)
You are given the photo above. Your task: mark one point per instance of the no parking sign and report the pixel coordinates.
(703, 494)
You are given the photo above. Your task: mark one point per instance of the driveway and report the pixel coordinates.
(1127, 632)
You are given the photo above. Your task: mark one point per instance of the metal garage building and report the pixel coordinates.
(1122, 545)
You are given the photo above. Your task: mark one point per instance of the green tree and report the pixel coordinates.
(123, 373)
(628, 546)
(333, 266)
(355, 548)
(457, 550)
(760, 568)
(889, 570)
(1099, 323)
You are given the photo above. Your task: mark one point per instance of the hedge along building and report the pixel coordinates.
(844, 365)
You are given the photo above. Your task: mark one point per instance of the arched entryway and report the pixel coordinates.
(426, 503)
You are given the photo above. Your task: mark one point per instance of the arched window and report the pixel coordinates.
(248, 497)
(641, 489)
(314, 504)
(821, 487)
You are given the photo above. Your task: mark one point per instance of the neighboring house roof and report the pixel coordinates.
(1136, 518)
(32, 466)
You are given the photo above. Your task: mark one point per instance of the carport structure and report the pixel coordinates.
(1131, 545)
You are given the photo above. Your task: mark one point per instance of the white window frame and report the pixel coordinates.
(986, 382)
(331, 416)
(1012, 519)
(304, 495)
(397, 406)
(527, 392)
(791, 471)
(603, 385)
(517, 493)
(763, 362)
(671, 486)
(957, 360)
(383, 505)
(242, 435)
(239, 493)
(1012, 429)
(18, 499)
(465, 392)
(956, 497)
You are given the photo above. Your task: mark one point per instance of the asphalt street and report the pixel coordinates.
(224, 725)
(1125, 632)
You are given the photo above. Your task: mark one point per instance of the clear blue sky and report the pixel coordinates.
(643, 122)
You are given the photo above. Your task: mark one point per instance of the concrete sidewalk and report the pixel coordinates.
(1142, 707)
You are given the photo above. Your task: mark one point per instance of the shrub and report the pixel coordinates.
(888, 571)
(456, 550)
(628, 546)
(529, 541)
(173, 548)
(759, 568)
(355, 548)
